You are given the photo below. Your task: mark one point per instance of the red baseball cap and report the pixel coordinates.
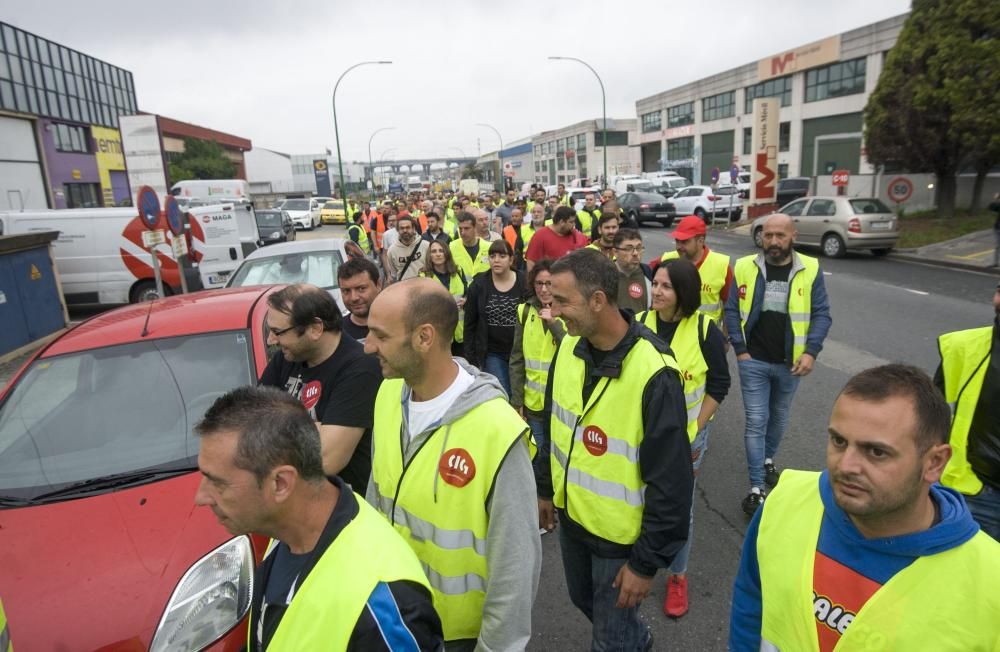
(688, 228)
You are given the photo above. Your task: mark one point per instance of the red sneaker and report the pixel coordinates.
(676, 604)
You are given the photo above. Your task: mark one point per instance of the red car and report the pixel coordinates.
(101, 546)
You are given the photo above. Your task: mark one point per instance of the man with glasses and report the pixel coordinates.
(329, 373)
(633, 275)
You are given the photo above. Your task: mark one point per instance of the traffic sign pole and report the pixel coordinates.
(175, 221)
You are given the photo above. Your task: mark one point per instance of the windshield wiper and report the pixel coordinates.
(113, 481)
(14, 501)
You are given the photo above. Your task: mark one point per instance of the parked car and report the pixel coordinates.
(839, 224)
(669, 186)
(306, 261)
(275, 226)
(642, 207)
(333, 212)
(103, 548)
(706, 203)
(304, 212)
(636, 184)
(791, 189)
(742, 183)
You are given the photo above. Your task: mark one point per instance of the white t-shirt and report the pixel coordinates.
(423, 414)
(389, 237)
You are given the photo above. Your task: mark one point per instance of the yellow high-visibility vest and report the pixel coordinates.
(799, 297)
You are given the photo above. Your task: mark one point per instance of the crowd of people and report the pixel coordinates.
(498, 378)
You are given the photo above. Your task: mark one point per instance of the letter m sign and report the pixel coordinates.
(779, 63)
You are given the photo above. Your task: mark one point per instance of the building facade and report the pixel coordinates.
(577, 151)
(173, 132)
(822, 87)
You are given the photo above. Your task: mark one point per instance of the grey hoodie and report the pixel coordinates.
(513, 545)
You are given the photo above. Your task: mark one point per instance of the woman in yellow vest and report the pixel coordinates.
(441, 266)
(536, 336)
(700, 350)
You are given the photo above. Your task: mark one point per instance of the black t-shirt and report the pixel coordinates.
(340, 391)
(473, 250)
(984, 432)
(767, 339)
(501, 317)
(359, 333)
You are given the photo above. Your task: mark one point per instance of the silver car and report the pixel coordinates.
(839, 224)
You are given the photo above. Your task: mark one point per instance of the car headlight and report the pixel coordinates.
(211, 598)
(275, 235)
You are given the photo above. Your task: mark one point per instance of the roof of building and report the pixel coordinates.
(173, 127)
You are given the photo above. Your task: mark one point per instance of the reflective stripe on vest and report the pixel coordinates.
(323, 612)
(712, 272)
(965, 357)
(539, 347)
(799, 296)
(686, 346)
(362, 238)
(946, 601)
(437, 501)
(595, 470)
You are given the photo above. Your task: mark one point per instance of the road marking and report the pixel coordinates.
(920, 292)
(978, 254)
(848, 359)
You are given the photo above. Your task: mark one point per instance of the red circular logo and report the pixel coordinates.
(634, 290)
(743, 291)
(206, 219)
(595, 440)
(310, 394)
(456, 467)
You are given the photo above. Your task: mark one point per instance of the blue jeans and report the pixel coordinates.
(767, 399)
(985, 508)
(538, 432)
(498, 365)
(589, 579)
(698, 448)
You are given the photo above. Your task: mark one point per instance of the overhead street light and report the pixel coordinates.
(604, 110)
(499, 152)
(336, 130)
(370, 166)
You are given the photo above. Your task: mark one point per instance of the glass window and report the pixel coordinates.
(32, 48)
(70, 138)
(570, 163)
(682, 114)
(20, 97)
(784, 136)
(4, 68)
(6, 95)
(317, 268)
(15, 68)
(718, 106)
(81, 195)
(782, 170)
(822, 208)
(795, 208)
(747, 140)
(680, 148)
(8, 36)
(22, 45)
(780, 88)
(615, 138)
(561, 163)
(651, 121)
(836, 80)
(63, 107)
(560, 146)
(43, 52)
(581, 142)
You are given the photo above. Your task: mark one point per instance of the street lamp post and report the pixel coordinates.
(336, 130)
(604, 110)
(499, 152)
(370, 166)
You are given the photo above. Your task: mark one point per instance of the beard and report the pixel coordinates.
(777, 253)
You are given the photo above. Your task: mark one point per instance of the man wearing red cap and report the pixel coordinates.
(714, 268)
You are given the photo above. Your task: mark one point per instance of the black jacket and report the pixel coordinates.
(476, 337)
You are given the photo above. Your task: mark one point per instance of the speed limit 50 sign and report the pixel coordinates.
(900, 189)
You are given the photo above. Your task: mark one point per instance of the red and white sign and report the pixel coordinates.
(900, 189)
(595, 441)
(136, 255)
(841, 177)
(635, 290)
(765, 150)
(310, 394)
(456, 467)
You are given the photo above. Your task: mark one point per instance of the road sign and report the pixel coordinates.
(179, 246)
(149, 207)
(153, 238)
(734, 173)
(900, 189)
(715, 175)
(840, 177)
(175, 220)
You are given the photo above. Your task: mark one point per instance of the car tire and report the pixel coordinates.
(667, 223)
(758, 237)
(881, 251)
(833, 246)
(146, 291)
(634, 217)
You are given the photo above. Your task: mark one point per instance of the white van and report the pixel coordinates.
(101, 258)
(636, 184)
(213, 190)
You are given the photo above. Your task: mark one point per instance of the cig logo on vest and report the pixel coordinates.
(456, 467)
(634, 290)
(595, 441)
(311, 393)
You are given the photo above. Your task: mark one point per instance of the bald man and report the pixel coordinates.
(777, 316)
(483, 225)
(451, 470)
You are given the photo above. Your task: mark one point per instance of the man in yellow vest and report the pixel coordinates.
(969, 377)
(469, 251)
(563, 197)
(777, 317)
(714, 269)
(872, 553)
(451, 470)
(620, 471)
(335, 575)
(5, 643)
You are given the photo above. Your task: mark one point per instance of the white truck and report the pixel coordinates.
(101, 257)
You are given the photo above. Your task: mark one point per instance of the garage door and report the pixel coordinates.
(21, 182)
(716, 152)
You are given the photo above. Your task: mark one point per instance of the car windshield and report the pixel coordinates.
(296, 205)
(651, 197)
(334, 205)
(114, 410)
(268, 218)
(796, 184)
(678, 182)
(868, 206)
(317, 268)
(726, 190)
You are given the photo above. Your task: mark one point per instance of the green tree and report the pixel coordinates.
(472, 171)
(201, 159)
(930, 111)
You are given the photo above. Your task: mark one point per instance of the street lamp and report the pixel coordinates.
(336, 131)
(370, 166)
(604, 110)
(382, 161)
(499, 152)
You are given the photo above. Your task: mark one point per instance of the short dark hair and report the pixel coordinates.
(626, 234)
(605, 218)
(563, 213)
(500, 246)
(686, 282)
(430, 214)
(887, 381)
(305, 305)
(355, 266)
(434, 308)
(406, 218)
(592, 271)
(273, 429)
(465, 216)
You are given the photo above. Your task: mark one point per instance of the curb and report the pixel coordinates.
(911, 258)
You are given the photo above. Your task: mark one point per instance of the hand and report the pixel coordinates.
(804, 365)
(545, 314)
(546, 515)
(743, 356)
(634, 588)
(460, 303)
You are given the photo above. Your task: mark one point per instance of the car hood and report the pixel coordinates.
(97, 572)
(295, 214)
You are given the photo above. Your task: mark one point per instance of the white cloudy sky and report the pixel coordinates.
(265, 69)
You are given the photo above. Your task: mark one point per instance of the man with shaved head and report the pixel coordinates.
(451, 470)
(777, 316)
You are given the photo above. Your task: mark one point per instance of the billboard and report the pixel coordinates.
(801, 58)
(110, 164)
(764, 150)
(143, 152)
(322, 173)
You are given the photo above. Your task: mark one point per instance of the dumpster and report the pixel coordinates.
(31, 300)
